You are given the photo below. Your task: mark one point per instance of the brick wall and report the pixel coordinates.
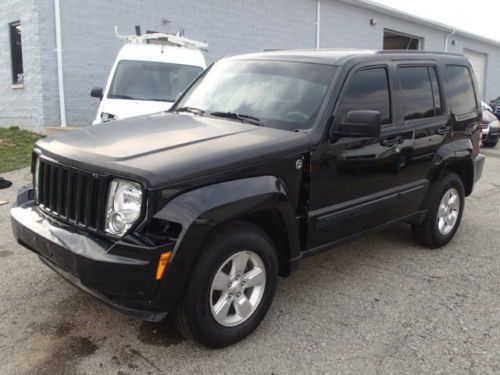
(20, 106)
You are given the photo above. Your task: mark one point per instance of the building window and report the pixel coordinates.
(397, 40)
(16, 52)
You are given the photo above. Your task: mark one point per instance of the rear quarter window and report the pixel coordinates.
(460, 90)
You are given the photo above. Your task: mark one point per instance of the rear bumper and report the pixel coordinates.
(120, 274)
(478, 167)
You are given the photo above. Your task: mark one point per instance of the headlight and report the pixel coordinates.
(124, 206)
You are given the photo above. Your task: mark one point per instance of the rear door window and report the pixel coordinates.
(438, 106)
(421, 96)
(460, 90)
(367, 90)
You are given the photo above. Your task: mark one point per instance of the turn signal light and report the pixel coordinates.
(162, 265)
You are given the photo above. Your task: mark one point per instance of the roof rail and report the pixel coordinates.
(416, 52)
(162, 38)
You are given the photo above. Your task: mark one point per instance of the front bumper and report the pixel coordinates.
(120, 274)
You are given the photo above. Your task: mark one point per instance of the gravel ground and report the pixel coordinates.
(379, 305)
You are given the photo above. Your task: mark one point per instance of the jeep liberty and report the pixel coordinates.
(266, 159)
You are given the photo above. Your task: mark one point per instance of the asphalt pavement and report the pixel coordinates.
(379, 305)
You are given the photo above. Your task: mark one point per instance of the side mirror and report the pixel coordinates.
(363, 124)
(96, 92)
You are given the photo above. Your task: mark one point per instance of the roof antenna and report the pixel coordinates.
(138, 30)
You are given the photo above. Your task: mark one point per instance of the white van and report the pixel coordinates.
(149, 73)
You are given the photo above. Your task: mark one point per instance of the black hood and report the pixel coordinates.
(168, 148)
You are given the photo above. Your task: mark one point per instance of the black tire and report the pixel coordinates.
(428, 234)
(491, 143)
(193, 316)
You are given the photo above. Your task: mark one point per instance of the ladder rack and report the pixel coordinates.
(162, 38)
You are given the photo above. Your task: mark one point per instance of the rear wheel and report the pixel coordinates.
(446, 203)
(231, 288)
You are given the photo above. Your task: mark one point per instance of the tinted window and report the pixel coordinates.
(460, 90)
(417, 92)
(436, 91)
(420, 92)
(147, 80)
(368, 90)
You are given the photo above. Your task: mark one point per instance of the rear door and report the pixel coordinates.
(424, 116)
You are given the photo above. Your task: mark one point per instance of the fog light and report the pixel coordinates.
(117, 222)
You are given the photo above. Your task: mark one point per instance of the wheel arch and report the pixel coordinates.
(263, 201)
(465, 170)
(456, 156)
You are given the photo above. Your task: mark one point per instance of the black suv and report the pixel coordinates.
(265, 160)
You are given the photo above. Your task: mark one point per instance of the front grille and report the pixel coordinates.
(71, 195)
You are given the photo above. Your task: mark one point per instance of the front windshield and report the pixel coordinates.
(147, 80)
(285, 95)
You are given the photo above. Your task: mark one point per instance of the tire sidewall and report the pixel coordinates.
(203, 325)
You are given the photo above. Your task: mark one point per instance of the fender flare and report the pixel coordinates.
(200, 210)
(457, 150)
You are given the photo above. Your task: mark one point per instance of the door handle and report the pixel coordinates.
(444, 130)
(392, 141)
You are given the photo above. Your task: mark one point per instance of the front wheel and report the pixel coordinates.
(231, 288)
(446, 204)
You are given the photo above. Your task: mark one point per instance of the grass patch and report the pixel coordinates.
(15, 148)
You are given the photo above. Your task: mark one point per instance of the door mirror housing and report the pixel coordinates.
(362, 124)
(96, 92)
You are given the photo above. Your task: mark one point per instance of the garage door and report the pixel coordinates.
(478, 61)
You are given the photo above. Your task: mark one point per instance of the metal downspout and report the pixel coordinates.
(318, 23)
(60, 70)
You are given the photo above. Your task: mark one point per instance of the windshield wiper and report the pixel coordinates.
(194, 110)
(118, 96)
(238, 116)
(161, 100)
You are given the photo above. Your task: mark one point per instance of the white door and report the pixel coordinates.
(478, 61)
